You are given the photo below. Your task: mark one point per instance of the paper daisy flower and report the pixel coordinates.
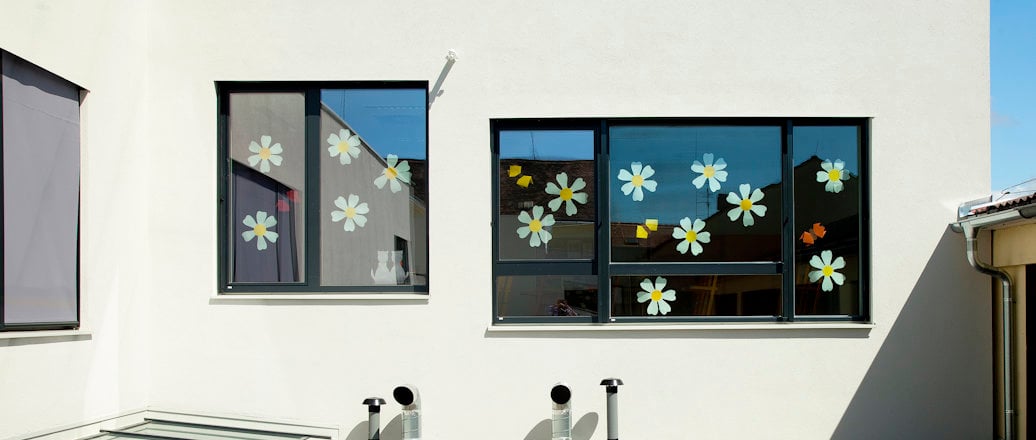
(746, 204)
(352, 211)
(394, 173)
(345, 145)
(637, 181)
(265, 154)
(826, 270)
(536, 229)
(710, 171)
(658, 297)
(691, 235)
(260, 225)
(833, 174)
(566, 194)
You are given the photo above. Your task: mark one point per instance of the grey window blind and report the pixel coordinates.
(40, 195)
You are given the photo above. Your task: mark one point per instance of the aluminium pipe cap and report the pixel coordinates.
(374, 401)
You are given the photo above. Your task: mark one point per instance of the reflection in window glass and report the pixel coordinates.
(695, 193)
(705, 295)
(552, 295)
(827, 220)
(373, 187)
(267, 186)
(547, 208)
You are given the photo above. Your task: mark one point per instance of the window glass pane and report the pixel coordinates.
(547, 208)
(267, 186)
(827, 220)
(548, 295)
(373, 187)
(695, 194)
(708, 295)
(40, 195)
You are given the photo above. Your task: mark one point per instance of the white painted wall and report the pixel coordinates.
(51, 382)
(149, 197)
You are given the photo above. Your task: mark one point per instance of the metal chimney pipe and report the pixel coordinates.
(408, 396)
(611, 388)
(373, 417)
(561, 418)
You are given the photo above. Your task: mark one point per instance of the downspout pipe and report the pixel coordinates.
(970, 230)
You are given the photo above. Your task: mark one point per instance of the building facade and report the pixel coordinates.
(167, 321)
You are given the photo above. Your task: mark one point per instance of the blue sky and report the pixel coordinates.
(1013, 91)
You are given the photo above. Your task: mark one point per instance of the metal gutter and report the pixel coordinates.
(970, 227)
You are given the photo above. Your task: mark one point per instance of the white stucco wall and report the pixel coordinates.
(55, 381)
(149, 209)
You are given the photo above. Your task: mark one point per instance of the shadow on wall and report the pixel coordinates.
(582, 430)
(933, 376)
(391, 431)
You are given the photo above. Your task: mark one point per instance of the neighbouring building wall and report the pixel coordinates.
(1014, 250)
(922, 371)
(49, 382)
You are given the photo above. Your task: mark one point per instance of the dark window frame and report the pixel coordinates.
(311, 91)
(60, 325)
(602, 266)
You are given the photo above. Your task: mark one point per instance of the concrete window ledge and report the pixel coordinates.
(679, 327)
(306, 298)
(45, 336)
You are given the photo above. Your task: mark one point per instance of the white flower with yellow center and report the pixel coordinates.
(826, 270)
(537, 226)
(746, 205)
(658, 297)
(260, 225)
(833, 174)
(710, 171)
(691, 235)
(566, 194)
(394, 173)
(265, 154)
(345, 145)
(637, 181)
(352, 211)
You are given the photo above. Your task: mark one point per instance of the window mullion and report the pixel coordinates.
(312, 208)
(788, 231)
(604, 297)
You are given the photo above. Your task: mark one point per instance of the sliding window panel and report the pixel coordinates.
(701, 295)
(547, 195)
(827, 219)
(267, 187)
(695, 193)
(40, 195)
(546, 295)
(373, 187)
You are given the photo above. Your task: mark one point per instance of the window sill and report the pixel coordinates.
(636, 327)
(318, 297)
(61, 334)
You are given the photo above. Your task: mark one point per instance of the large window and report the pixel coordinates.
(323, 187)
(39, 133)
(614, 220)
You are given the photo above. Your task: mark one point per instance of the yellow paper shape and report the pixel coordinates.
(524, 181)
(641, 232)
(514, 170)
(652, 224)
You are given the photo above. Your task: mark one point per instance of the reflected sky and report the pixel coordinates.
(547, 144)
(752, 154)
(392, 121)
(828, 143)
